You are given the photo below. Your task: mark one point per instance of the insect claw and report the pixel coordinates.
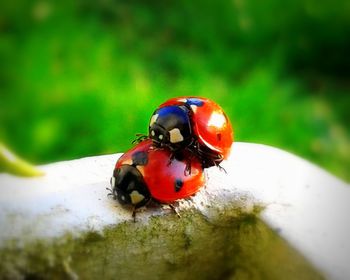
(175, 211)
(220, 167)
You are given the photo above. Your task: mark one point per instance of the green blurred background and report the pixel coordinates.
(80, 78)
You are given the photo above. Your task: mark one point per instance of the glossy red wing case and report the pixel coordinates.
(167, 180)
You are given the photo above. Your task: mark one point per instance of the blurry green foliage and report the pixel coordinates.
(81, 78)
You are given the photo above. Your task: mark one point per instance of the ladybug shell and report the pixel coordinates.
(166, 180)
(209, 123)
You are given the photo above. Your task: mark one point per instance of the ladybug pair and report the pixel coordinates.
(186, 135)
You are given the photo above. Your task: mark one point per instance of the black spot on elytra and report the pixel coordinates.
(178, 185)
(139, 158)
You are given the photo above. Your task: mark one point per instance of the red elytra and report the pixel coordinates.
(209, 123)
(166, 179)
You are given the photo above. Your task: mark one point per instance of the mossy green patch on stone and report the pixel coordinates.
(229, 245)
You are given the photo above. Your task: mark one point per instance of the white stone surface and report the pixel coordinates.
(308, 206)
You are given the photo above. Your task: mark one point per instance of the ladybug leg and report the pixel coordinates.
(135, 208)
(192, 154)
(221, 168)
(154, 148)
(217, 162)
(139, 138)
(174, 209)
(171, 158)
(134, 214)
(187, 171)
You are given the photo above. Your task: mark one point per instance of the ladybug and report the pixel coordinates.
(146, 173)
(194, 123)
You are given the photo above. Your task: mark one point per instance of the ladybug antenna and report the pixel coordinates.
(110, 192)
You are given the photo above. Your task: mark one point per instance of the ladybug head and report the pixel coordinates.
(170, 126)
(129, 187)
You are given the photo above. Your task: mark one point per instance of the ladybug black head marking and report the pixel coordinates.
(129, 187)
(170, 126)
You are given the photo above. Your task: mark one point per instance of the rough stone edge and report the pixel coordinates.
(305, 204)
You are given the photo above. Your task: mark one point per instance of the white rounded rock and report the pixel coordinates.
(306, 205)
